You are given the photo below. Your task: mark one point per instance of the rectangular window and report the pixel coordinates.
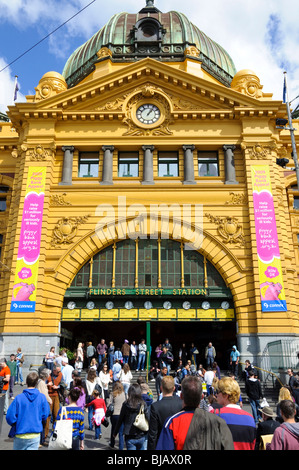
(168, 164)
(208, 164)
(88, 165)
(296, 202)
(128, 164)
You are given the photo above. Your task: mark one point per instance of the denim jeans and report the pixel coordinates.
(136, 443)
(141, 361)
(98, 432)
(101, 358)
(26, 444)
(255, 404)
(114, 419)
(19, 374)
(110, 361)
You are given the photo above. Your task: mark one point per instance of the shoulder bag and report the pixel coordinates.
(62, 436)
(141, 421)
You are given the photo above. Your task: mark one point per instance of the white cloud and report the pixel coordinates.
(261, 36)
(7, 89)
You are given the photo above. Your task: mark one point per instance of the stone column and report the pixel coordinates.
(230, 170)
(188, 164)
(107, 176)
(148, 167)
(67, 170)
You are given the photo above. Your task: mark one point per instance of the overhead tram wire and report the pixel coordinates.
(48, 35)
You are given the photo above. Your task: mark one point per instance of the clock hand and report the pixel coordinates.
(149, 112)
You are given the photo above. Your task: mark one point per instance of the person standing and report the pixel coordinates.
(74, 412)
(116, 370)
(117, 399)
(50, 356)
(92, 383)
(254, 392)
(169, 405)
(90, 352)
(134, 437)
(134, 353)
(286, 437)
(183, 354)
(210, 354)
(111, 351)
(125, 350)
(102, 350)
(125, 377)
(193, 354)
(166, 359)
(208, 378)
(105, 379)
(67, 372)
(20, 361)
(53, 385)
(266, 426)
(142, 348)
(193, 428)
(44, 375)
(80, 353)
(98, 405)
(27, 413)
(5, 373)
(12, 365)
(240, 422)
(234, 361)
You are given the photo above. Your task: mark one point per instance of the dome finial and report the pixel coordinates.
(149, 7)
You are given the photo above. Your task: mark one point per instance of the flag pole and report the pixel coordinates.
(291, 129)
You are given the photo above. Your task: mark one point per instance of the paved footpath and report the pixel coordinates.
(89, 442)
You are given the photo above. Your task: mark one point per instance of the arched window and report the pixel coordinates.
(148, 263)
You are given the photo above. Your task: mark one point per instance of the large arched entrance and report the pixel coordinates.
(151, 289)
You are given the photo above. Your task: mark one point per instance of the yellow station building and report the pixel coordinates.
(140, 196)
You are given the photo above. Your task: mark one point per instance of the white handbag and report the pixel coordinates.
(141, 421)
(62, 436)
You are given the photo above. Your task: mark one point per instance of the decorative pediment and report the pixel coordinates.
(107, 97)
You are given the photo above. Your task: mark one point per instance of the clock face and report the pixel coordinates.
(71, 305)
(148, 114)
(90, 305)
(205, 305)
(129, 305)
(186, 305)
(148, 305)
(167, 305)
(225, 305)
(109, 305)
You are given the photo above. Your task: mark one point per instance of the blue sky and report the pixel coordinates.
(262, 36)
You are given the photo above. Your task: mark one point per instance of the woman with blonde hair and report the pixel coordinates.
(284, 394)
(117, 398)
(80, 354)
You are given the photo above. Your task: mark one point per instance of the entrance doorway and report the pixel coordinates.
(221, 334)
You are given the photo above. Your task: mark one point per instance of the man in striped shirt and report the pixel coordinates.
(240, 422)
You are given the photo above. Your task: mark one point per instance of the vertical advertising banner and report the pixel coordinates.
(24, 289)
(270, 273)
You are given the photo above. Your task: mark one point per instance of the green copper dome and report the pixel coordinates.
(149, 33)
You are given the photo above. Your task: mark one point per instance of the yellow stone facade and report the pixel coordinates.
(196, 110)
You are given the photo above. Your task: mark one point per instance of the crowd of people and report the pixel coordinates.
(195, 409)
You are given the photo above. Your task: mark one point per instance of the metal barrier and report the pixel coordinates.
(268, 372)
